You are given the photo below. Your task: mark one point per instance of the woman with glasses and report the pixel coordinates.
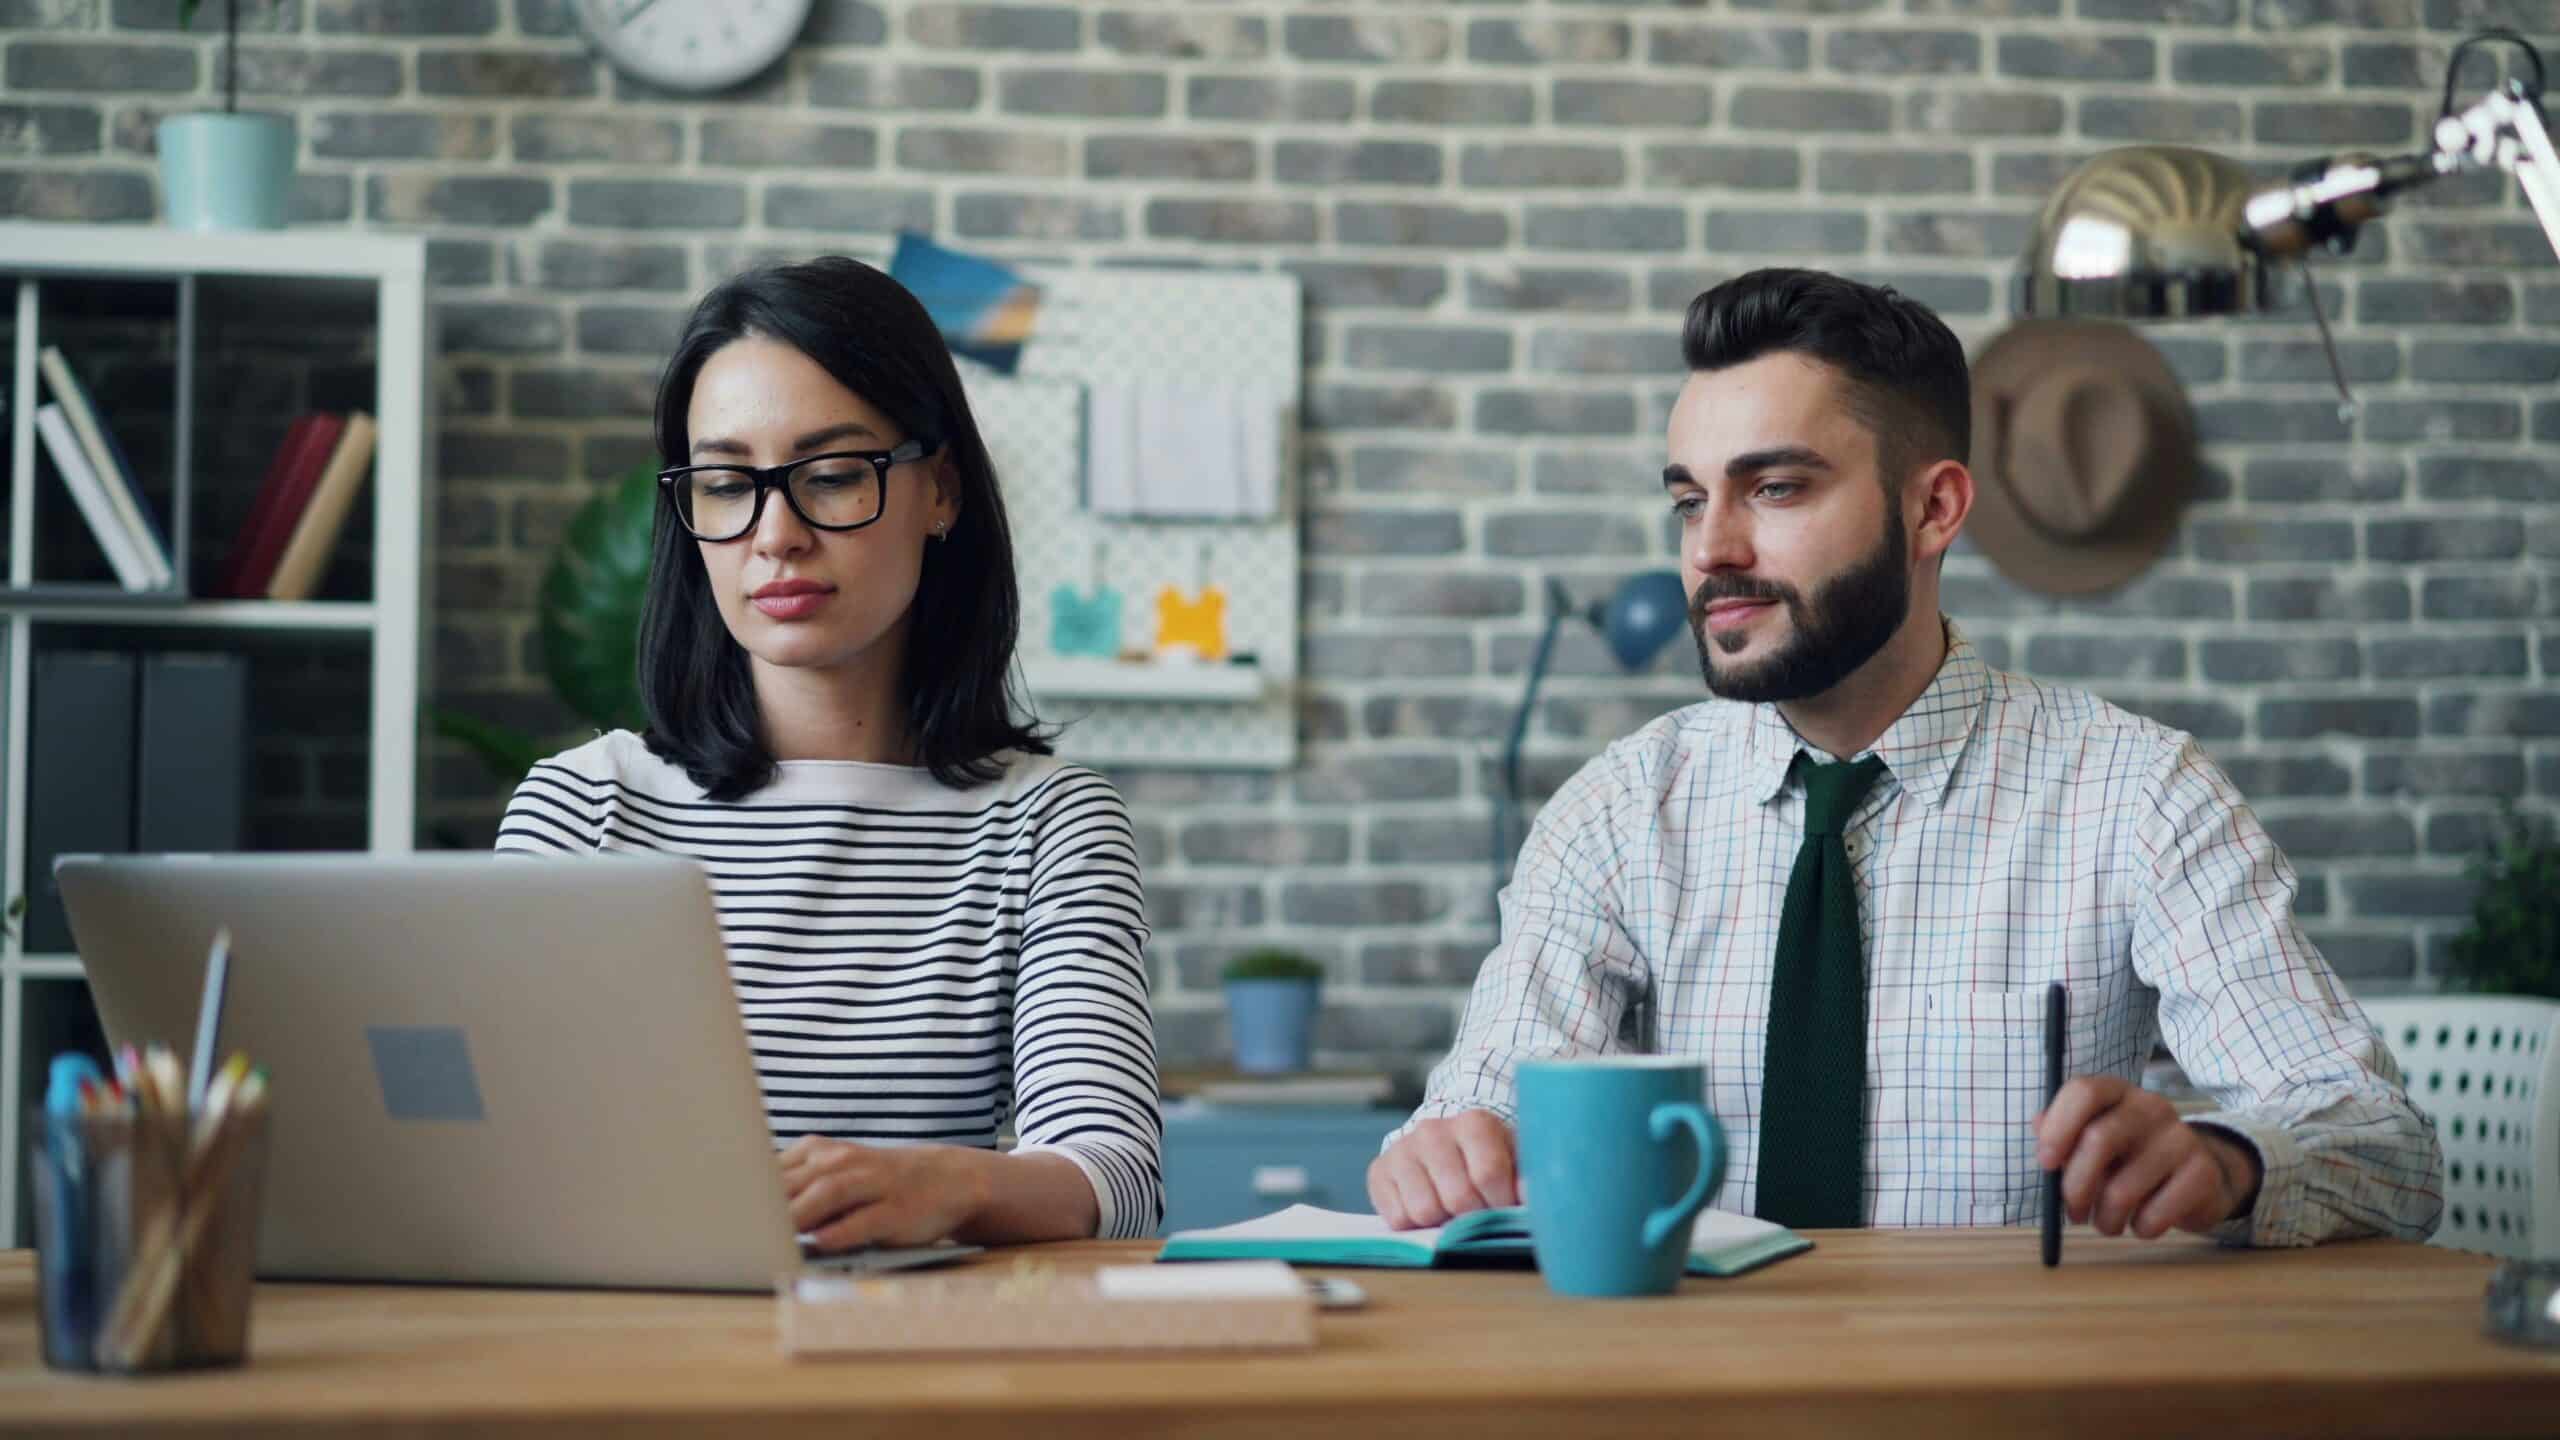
(933, 925)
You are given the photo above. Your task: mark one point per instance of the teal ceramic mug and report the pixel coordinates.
(1619, 1155)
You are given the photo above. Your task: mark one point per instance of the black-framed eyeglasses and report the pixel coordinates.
(840, 490)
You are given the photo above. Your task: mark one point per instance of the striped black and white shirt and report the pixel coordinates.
(914, 963)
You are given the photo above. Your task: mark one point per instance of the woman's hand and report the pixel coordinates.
(845, 1195)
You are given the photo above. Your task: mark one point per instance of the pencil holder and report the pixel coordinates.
(146, 1238)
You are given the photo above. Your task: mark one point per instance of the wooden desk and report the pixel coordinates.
(1919, 1332)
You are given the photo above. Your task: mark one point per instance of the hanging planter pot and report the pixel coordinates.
(226, 170)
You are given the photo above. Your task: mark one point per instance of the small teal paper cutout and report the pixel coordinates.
(1084, 624)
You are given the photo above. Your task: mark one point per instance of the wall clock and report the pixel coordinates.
(693, 45)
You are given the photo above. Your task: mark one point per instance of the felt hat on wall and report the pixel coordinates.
(2084, 454)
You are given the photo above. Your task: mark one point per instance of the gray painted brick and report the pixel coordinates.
(1451, 102)
(411, 199)
(2281, 479)
(1724, 167)
(2270, 422)
(496, 74)
(301, 73)
(1786, 232)
(455, 263)
(2367, 362)
(1639, 228)
(2297, 122)
(94, 196)
(658, 204)
(1041, 28)
(575, 265)
(278, 17)
(2435, 300)
(1801, 111)
(2492, 712)
(415, 135)
(1367, 39)
(1440, 718)
(625, 140)
(2403, 540)
(1242, 222)
(1094, 94)
(1554, 412)
(2324, 599)
(1356, 162)
(1300, 99)
(1900, 170)
(2355, 716)
(1975, 112)
(1726, 47)
(1381, 407)
(2358, 956)
(2160, 12)
(2253, 63)
(1540, 165)
(2481, 244)
(1444, 349)
(498, 327)
(48, 130)
(2443, 657)
(2485, 362)
(2259, 778)
(101, 65)
(1541, 534)
(2280, 15)
(2412, 896)
(2180, 122)
(2078, 57)
(2255, 662)
(2031, 175)
(1208, 906)
(2249, 540)
(861, 209)
(2514, 478)
(1626, 104)
(1037, 217)
(2480, 597)
(1651, 350)
(1330, 284)
(2207, 720)
(1903, 52)
(404, 17)
(629, 329)
(1174, 35)
(1437, 226)
(1266, 842)
(1549, 42)
(1542, 288)
(1415, 963)
(1953, 296)
(845, 22)
(1396, 597)
(2537, 17)
(1436, 470)
(1385, 532)
(2407, 421)
(948, 150)
(865, 86)
(1167, 157)
(582, 394)
(2342, 834)
(1380, 655)
(1979, 235)
(2107, 657)
(797, 144)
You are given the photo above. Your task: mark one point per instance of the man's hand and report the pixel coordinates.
(845, 1195)
(1443, 1169)
(2127, 1160)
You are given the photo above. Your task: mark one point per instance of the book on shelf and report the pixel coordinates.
(315, 533)
(89, 492)
(292, 474)
(107, 460)
(80, 716)
(191, 752)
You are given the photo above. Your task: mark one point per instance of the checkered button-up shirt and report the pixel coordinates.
(2022, 834)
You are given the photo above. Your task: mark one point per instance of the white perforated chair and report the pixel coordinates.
(2487, 1068)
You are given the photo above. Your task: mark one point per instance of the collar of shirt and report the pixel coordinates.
(1920, 748)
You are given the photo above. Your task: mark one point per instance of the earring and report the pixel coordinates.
(942, 530)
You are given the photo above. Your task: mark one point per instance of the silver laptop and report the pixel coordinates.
(485, 1069)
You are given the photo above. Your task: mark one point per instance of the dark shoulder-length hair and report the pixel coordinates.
(864, 329)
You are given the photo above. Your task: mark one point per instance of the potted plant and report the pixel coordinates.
(226, 170)
(2512, 945)
(1271, 1009)
(588, 615)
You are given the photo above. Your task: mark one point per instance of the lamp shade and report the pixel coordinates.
(2146, 232)
(1642, 616)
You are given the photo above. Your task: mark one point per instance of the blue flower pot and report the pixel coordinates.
(1273, 1023)
(227, 172)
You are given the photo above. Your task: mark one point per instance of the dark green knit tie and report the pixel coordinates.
(1813, 1086)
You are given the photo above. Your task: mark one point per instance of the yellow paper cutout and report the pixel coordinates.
(1197, 624)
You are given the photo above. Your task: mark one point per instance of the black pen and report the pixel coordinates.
(2057, 1019)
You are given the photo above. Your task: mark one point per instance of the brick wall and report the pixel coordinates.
(1498, 211)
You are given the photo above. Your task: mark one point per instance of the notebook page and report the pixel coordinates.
(1309, 1222)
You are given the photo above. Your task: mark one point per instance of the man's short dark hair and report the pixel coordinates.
(1906, 371)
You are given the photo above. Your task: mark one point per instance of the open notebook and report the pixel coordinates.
(1720, 1242)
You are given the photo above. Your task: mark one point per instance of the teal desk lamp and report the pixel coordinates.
(1637, 620)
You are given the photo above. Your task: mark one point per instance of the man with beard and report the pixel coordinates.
(1845, 889)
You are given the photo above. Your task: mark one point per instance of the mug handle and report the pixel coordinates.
(1673, 1115)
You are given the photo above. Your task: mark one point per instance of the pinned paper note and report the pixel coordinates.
(1179, 450)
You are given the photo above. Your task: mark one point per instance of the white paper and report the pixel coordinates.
(1258, 457)
(1209, 1280)
(1111, 449)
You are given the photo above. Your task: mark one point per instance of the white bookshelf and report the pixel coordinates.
(385, 275)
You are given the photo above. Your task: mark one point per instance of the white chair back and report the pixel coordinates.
(2487, 1068)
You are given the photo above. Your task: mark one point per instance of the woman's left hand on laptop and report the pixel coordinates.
(846, 1195)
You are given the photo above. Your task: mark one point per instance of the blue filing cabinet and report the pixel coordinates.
(1225, 1163)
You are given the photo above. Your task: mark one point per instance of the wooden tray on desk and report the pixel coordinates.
(1031, 1310)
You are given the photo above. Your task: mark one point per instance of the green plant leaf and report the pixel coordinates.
(187, 12)
(1272, 964)
(589, 606)
(508, 753)
(2512, 945)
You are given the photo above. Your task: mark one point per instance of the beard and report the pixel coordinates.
(1850, 617)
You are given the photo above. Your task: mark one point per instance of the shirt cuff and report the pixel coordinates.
(2275, 1220)
(1106, 1215)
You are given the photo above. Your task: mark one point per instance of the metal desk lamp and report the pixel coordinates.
(1637, 620)
(2163, 232)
